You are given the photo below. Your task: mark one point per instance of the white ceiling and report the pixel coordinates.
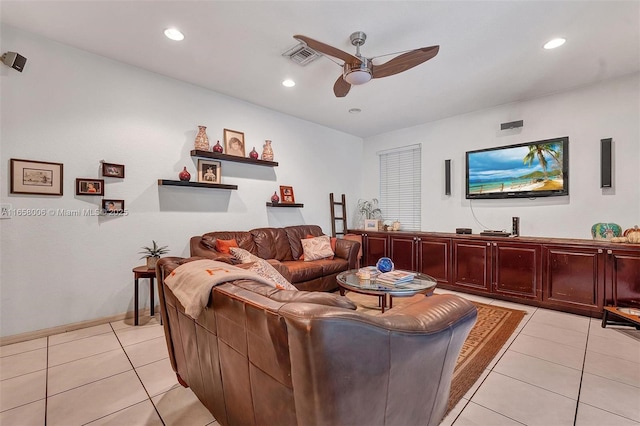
(490, 51)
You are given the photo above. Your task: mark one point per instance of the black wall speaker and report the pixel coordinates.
(447, 177)
(605, 163)
(512, 125)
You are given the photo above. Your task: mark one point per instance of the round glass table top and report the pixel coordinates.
(421, 283)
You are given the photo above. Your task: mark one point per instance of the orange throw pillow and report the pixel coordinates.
(223, 246)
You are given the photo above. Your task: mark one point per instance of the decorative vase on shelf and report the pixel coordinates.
(202, 140)
(217, 148)
(267, 151)
(253, 154)
(184, 175)
(274, 198)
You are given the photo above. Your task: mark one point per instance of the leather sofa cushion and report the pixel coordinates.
(243, 238)
(303, 271)
(271, 243)
(288, 296)
(295, 234)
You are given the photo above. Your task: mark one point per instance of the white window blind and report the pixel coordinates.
(400, 176)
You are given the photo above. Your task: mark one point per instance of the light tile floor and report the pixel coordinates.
(556, 369)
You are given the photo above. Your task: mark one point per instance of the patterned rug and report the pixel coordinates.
(490, 332)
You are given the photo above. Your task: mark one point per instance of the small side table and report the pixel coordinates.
(143, 272)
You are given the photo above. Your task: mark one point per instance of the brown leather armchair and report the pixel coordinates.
(258, 355)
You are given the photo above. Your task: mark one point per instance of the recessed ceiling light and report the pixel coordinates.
(556, 42)
(355, 110)
(288, 83)
(174, 34)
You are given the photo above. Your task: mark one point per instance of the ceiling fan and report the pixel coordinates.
(358, 70)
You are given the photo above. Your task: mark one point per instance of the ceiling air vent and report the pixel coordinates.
(301, 54)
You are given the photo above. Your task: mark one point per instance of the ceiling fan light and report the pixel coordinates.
(357, 77)
(174, 34)
(556, 42)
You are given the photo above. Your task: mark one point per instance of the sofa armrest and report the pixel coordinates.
(348, 250)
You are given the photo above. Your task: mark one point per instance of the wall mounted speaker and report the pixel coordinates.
(605, 163)
(447, 177)
(512, 125)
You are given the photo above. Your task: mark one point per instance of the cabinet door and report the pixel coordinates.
(403, 252)
(375, 248)
(623, 277)
(472, 260)
(574, 277)
(434, 258)
(516, 270)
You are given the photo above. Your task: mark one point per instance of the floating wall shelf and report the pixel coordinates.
(226, 157)
(284, 205)
(165, 182)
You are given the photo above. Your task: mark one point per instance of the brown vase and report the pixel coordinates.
(184, 175)
(253, 154)
(274, 198)
(217, 148)
(202, 140)
(267, 151)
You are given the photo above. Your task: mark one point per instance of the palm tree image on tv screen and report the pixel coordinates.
(532, 169)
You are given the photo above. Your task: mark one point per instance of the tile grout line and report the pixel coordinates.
(46, 385)
(584, 361)
(137, 375)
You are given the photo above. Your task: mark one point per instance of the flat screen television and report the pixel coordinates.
(525, 170)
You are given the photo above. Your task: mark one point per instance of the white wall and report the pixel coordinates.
(77, 108)
(585, 115)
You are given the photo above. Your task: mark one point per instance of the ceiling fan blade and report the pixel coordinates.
(328, 50)
(341, 87)
(405, 61)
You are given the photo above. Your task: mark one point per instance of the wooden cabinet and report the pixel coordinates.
(374, 246)
(472, 264)
(517, 269)
(426, 254)
(622, 277)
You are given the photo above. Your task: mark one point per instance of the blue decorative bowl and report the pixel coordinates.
(384, 264)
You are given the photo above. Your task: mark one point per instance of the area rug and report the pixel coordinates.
(491, 331)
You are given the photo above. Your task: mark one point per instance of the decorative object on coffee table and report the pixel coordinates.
(605, 231)
(286, 194)
(217, 148)
(274, 198)
(267, 151)
(184, 175)
(152, 254)
(202, 140)
(234, 143)
(253, 154)
(384, 264)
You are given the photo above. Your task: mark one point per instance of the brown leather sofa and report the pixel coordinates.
(262, 356)
(282, 248)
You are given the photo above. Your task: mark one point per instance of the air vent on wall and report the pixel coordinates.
(301, 54)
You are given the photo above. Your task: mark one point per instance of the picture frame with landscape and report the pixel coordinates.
(233, 143)
(35, 177)
(209, 171)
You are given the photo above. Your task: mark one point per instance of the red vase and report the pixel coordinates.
(274, 198)
(217, 148)
(184, 175)
(254, 154)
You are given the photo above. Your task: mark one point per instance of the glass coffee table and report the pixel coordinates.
(421, 284)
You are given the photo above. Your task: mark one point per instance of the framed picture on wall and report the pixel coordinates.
(88, 186)
(35, 177)
(286, 194)
(209, 171)
(112, 206)
(113, 170)
(234, 143)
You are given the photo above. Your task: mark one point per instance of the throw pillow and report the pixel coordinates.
(223, 246)
(333, 247)
(209, 242)
(243, 255)
(317, 248)
(265, 270)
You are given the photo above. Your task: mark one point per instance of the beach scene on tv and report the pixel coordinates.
(516, 169)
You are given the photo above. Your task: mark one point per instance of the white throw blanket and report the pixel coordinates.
(192, 282)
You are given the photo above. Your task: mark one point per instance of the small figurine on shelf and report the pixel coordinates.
(267, 152)
(253, 154)
(217, 148)
(202, 140)
(274, 198)
(184, 175)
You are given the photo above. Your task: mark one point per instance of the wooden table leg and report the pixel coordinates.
(135, 302)
(153, 302)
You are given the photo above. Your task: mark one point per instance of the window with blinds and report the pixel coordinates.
(400, 171)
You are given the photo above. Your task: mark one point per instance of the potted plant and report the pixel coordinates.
(152, 254)
(368, 210)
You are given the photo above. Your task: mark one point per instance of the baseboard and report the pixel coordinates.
(46, 332)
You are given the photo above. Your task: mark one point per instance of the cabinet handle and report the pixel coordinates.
(609, 252)
(600, 251)
(488, 244)
(495, 244)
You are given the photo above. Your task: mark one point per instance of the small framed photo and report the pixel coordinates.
(88, 186)
(113, 170)
(234, 143)
(209, 171)
(371, 224)
(286, 194)
(112, 206)
(36, 177)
